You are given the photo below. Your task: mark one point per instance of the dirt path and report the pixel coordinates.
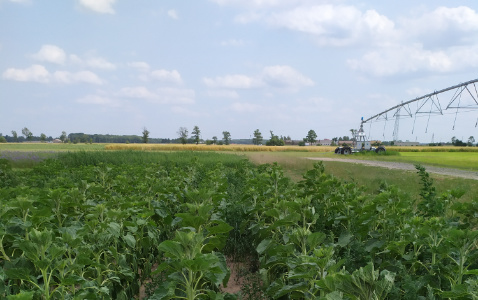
(404, 166)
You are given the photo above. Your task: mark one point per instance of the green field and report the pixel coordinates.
(455, 160)
(295, 164)
(50, 147)
(166, 225)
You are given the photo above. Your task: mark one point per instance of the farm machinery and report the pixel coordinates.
(360, 144)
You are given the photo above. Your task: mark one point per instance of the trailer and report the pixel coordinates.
(360, 144)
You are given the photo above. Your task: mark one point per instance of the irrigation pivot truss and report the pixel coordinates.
(465, 96)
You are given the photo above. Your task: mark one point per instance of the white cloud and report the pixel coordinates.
(442, 40)
(232, 82)
(99, 6)
(461, 18)
(229, 94)
(242, 107)
(51, 53)
(167, 76)
(137, 92)
(36, 73)
(335, 25)
(413, 59)
(173, 14)
(283, 77)
(98, 100)
(99, 63)
(443, 26)
(77, 77)
(92, 62)
(257, 3)
(139, 65)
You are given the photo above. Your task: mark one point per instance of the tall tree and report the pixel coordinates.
(183, 135)
(196, 134)
(471, 141)
(311, 137)
(275, 140)
(43, 137)
(214, 140)
(145, 135)
(226, 137)
(257, 139)
(15, 136)
(27, 133)
(63, 136)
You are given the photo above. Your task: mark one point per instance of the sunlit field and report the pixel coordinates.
(50, 147)
(232, 148)
(432, 149)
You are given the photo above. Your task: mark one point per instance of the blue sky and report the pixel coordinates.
(116, 66)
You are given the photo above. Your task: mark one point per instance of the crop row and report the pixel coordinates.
(107, 230)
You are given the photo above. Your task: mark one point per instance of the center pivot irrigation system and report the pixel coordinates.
(464, 97)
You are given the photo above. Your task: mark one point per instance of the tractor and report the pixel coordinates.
(360, 144)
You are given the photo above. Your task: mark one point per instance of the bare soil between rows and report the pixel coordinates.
(404, 166)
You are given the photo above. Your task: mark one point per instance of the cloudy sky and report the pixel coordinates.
(116, 66)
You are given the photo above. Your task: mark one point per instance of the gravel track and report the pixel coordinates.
(404, 166)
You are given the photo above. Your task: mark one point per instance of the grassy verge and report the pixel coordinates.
(456, 160)
(224, 148)
(118, 158)
(369, 177)
(49, 147)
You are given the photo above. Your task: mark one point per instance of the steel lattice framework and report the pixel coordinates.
(430, 104)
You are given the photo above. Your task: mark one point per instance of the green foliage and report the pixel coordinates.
(15, 136)
(196, 134)
(89, 225)
(365, 283)
(381, 153)
(27, 133)
(7, 176)
(311, 137)
(257, 139)
(226, 137)
(145, 135)
(275, 140)
(183, 135)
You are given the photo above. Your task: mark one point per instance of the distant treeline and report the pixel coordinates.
(107, 138)
(133, 139)
(21, 139)
(110, 138)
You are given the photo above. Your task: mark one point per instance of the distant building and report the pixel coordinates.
(325, 142)
(57, 141)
